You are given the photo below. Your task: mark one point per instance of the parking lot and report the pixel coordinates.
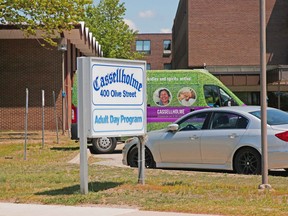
(114, 159)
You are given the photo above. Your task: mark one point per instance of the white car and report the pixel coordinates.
(226, 138)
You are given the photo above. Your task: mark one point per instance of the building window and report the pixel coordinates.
(148, 66)
(166, 48)
(143, 46)
(167, 45)
(167, 66)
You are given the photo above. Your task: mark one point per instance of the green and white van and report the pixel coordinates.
(187, 90)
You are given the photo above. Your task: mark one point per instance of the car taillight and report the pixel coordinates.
(283, 136)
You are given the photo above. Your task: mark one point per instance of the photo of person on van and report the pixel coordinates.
(163, 97)
(187, 96)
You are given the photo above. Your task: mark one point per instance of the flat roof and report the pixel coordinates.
(79, 36)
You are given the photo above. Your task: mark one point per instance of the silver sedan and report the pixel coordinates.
(226, 138)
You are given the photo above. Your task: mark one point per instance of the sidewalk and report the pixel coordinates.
(12, 209)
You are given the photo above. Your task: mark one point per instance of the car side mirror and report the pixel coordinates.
(172, 127)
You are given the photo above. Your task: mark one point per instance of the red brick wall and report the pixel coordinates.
(223, 32)
(180, 37)
(25, 64)
(226, 32)
(156, 58)
(277, 32)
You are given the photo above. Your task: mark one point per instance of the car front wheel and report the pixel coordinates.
(104, 145)
(133, 158)
(247, 161)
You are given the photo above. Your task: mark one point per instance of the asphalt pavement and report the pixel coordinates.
(13, 209)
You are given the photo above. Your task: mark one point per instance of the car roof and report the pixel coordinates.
(240, 108)
(245, 108)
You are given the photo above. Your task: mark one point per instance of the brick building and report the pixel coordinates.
(25, 64)
(224, 36)
(156, 48)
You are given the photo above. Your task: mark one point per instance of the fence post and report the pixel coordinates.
(43, 118)
(55, 114)
(26, 123)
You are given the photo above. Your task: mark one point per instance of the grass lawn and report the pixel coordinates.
(47, 177)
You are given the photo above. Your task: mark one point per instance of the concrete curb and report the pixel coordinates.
(12, 209)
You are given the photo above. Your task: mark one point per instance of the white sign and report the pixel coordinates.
(116, 96)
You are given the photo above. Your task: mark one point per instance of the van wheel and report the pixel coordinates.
(104, 145)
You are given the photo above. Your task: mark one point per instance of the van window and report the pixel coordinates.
(216, 96)
(211, 93)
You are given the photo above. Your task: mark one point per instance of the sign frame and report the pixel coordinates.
(115, 93)
(86, 107)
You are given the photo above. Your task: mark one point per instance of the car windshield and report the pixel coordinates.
(274, 117)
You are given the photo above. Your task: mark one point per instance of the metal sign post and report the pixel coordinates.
(82, 102)
(141, 160)
(263, 96)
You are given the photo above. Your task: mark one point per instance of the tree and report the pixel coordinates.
(107, 24)
(49, 16)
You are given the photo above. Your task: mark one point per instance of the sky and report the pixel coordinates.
(149, 16)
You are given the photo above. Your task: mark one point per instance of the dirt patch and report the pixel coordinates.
(7, 137)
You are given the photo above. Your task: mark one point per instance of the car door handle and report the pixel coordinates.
(194, 137)
(233, 136)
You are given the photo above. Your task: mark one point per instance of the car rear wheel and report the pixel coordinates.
(133, 158)
(104, 145)
(247, 161)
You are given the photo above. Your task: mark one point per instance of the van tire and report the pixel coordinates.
(104, 145)
(74, 132)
